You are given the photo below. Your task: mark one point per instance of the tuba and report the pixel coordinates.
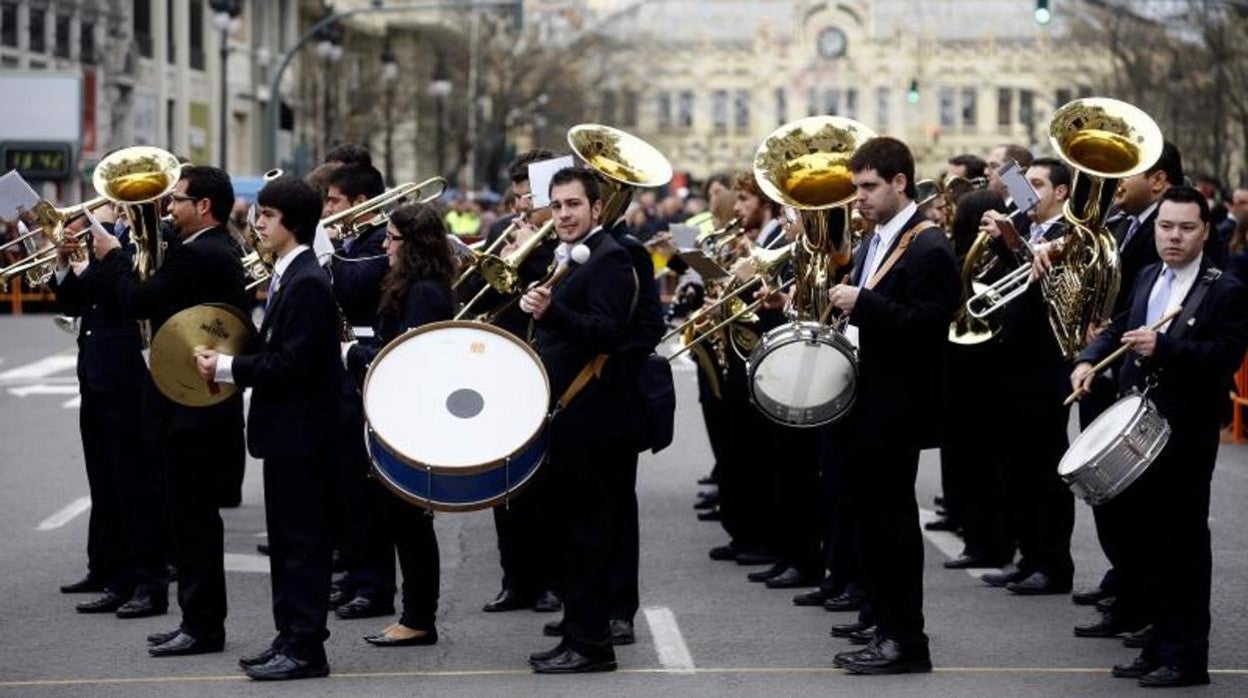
(623, 161)
(137, 178)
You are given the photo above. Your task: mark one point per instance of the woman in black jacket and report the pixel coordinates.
(416, 291)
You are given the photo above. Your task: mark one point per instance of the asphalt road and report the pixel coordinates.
(705, 631)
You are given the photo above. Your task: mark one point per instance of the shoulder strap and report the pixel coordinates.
(899, 250)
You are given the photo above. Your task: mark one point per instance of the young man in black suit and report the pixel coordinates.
(293, 425)
(903, 295)
(1165, 562)
(200, 266)
(584, 319)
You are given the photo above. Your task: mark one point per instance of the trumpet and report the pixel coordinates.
(746, 310)
(349, 223)
(38, 265)
(767, 267)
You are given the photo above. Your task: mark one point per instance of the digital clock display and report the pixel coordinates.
(38, 160)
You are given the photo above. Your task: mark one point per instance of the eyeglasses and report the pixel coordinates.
(173, 198)
(392, 238)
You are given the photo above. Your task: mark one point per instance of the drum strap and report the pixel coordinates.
(899, 250)
(592, 370)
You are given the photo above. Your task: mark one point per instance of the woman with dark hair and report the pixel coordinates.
(970, 209)
(415, 291)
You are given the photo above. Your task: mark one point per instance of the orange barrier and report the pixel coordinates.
(15, 296)
(1239, 399)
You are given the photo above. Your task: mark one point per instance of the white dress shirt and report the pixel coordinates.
(563, 252)
(1184, 277)
(225, 362)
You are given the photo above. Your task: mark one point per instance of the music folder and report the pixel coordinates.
(706, 267)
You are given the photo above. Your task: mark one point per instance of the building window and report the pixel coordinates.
(1005, 107)
(970, 107)
(948, 108)
(665, 109)
(782, 107)
(883, 98)
(143, 27)
(38, 18)
(62, 35)
(851, 102)
(832, 101)
(741, 109)
(608, 107)
(171, 34)
(171, 108)
(684, 110)
(1085, 91)
(812, 102)
(197, 35)
(719, 110)
(86, 43)
(8, 24)
(630, 108)
(1062, 96)
(1027, 109)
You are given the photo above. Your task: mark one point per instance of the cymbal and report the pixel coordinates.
(211, 325)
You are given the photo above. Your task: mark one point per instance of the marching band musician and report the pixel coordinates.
(1184, 367)
(415, 292)
(579, 323)
(124, 552)
(293, 425)
(201, 266)
(904, 291)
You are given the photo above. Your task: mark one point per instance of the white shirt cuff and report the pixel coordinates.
(225, 369)
(346, 349)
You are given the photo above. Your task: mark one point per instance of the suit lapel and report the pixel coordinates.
(1139, 308)
(292, 272)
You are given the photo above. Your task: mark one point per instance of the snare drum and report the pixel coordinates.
(456, 415)
(803, 374)
(1115, 449)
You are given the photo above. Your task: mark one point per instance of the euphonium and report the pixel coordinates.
(624, 161)
(137, 178)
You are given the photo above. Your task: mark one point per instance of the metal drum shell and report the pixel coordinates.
(1115, 465)
(804, 417)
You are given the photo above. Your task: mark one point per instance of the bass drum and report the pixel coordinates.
(456, 415)
(803, 374)
(1115, 449)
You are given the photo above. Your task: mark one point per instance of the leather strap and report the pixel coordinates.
(593, 369)
(900, 249)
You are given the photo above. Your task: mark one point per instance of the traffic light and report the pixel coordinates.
(1043, 12)
(913, 95)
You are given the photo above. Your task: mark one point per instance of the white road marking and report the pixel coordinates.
(73, 403)
(44, 389)
(947, 542)
(668, 642)
(65, 515)
(237, 562)
(40, 369)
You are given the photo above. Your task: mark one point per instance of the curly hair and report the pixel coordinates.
(426, 254)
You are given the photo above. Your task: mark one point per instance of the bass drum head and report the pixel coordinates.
(456, 396)
(803, 376)
(1101, 434)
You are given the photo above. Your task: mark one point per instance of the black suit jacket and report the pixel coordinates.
(296, 374)
(206, 270)
(1138, 252)
(903, 333)
(589, 315)
(357, 273)
(427, 301)
(1035, 369)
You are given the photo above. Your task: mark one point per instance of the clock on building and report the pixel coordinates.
(831, 43)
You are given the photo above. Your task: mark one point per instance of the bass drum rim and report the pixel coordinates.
(819, 416)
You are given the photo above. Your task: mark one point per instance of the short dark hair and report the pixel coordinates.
(1018, 153)
(349, 154)
(356, 180)
(212, 183)
(974, 164)
(587, 177)
(1184, 194)
(519, 170)
(1059, 173)
(1170, 162)
(745, 181)
(887, 156)
(298, 203)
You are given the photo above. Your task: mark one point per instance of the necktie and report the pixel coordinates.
(268, 299)
(1157, 304)
(868, 261)
(1135, 225)
(1037, 233)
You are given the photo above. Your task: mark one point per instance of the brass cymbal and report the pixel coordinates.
(214, 326)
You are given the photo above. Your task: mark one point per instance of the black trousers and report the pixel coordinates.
(360, 531)
(297, 497)
(525, 529)
(744, 485)
(840, 548)
(190, 460)
(625, 545)
(587, 474)
(713, 415)
(1043, 504)
(105, 532)
(890, 544)
(231, 471)
(411, 528)
(793, 470)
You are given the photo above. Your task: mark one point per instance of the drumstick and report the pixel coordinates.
(1105, 363)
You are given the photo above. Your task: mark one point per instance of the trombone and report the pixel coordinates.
(767, 265)
(724, 323)
(51, 222)
(502, 274)
(348, 223)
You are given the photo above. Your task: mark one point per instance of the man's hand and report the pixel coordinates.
(206, 362)
(844, 297)
(1043, 256)
(535, 301)
(522, 231)
(988, 223)
(1142, 341)
(102, 242)
(771, 299)
(69, 247)
(1081, 378)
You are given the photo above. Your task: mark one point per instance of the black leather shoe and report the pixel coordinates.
(862, 637)
(548, 602)
(363, 607)
(547, 654)
(340, 595)
(763, 575)
(262, 548)
(840, 658)
(261, 657)
(1088, 597)
(430, 637)
(724, 552)
(1107, 625)
(86, 585)
(162, 638)
(967, 562)
(940, 525)
(1137, 668)
(708, 502)
(622, 632)
(507, 600)
(1036, 584)
(791, 579)
(887, 657)
(847, 629)
(1169, 677)
(572, 662)
(710, 515)
(708, 480)
(755, 556)
(846, 601)
(183, 644)
(553, 629)
(1139, 639)
(814, 597)
(1009, 573)
(108, 603)
(283, 667)
(144, 605)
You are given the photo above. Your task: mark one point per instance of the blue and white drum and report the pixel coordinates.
(456, 415)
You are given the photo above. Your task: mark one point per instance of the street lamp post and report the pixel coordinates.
(389, 74)
(440, 88)
(226, 18)
(329, 48)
